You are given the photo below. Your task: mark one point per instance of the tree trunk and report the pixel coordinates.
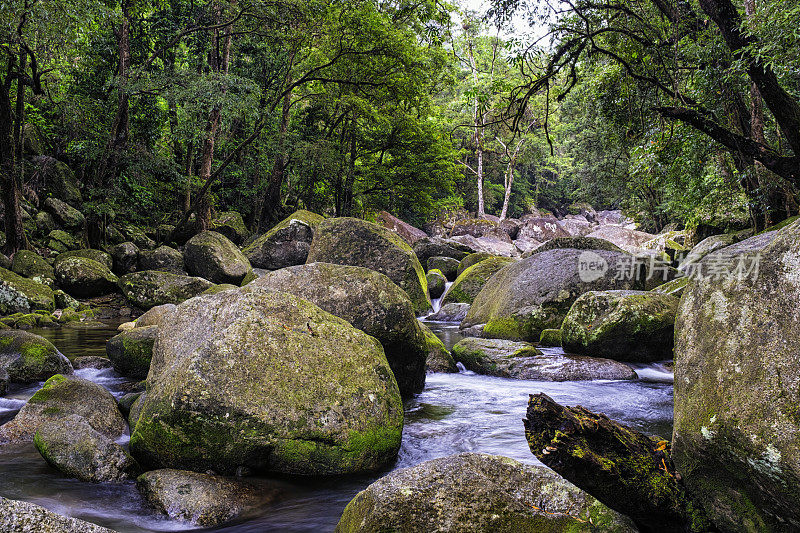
(349, 182)
(15, 233)
(273, 193)
(624, 469)
(478, 136)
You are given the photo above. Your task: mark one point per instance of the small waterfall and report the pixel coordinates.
(437, 303)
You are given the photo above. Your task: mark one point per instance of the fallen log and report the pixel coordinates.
(623, 468)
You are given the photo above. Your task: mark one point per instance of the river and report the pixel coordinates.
(455, 413)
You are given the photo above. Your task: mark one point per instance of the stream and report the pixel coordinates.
(455, 413)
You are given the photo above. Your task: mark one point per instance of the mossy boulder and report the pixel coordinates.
(64, 214)
(24, 517)
(446, 265)
(479, 227)
(437, 246)
(26, 357)
(100, 256)
(577, 243)
(470, 260)
(137, 236)
(470, 282)
(550, 337)
(213, 256)
(60, 241)
(541, 228)
(439, 358)
(350, 241)
(409, 233)
(74, 447)
(622, 325)
(285, 244)
(266, 381)
(478, 492)
(436, 283)
(522, 360)
(527, 296)
(60, 397)
(23, 295)
(736, 432)
(163, 259)
(370, 302)
(150, 288)
(131, 351)
(45, 223)
(57, 178)
(231, 224)
(85, 278)
(202, 499)
(125, 256)
(34, 266)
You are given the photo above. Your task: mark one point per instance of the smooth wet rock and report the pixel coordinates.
(155, 315)
(26, 357)
(23, 295)
(24, 517)
(439, 358)
(470, 282)
(76, 449)
(231, 224)
(125, 257)
(163, 259)
(449, 313)
(150, 288)
(480, 493)
(213, 256)
(409, 233)
(370, 302)
(736, 390)
(522, 360)
(535, 293)
(436, 283)
(60, 397)
(203, 499)
(84, 278)
(285, 244)
(354, 242)
(64, 214)
(131, 351)
(266, 381)
(32, 265)
(621, 325)
(89, 253)
(446, 265)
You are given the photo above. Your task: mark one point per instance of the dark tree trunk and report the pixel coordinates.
(624, 469)
(272, 196)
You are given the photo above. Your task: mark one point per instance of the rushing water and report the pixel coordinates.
(455, 413)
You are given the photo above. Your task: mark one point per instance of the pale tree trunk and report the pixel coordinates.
(478, 136)
(508, 177)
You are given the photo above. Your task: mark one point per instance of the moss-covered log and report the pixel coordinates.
(623, 468)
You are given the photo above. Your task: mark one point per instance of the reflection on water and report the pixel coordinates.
(455, 413)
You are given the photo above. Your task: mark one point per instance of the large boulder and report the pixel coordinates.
(490, 245)
(478, 227)
(436, 283)
(446, 265)
(285, 244)
(163, 259)
(265, 381)
(23, 295)
(58, 179)
(480, 493)
(736, 432)
(533, 294)
(629, 240)
(202, 499)
(521, 360)
(131, 351)
(439, 358)
(470, 282)
(621, 325)
(25, 357)
(125, 256)
(213, 256)
(89, 253)
(24, 517)
(437, 246)
(231, 224)
(577, 243)
(370, 302)
(150, 288)
(541, 229)
(34, 266)
(449, 313)
(155, 316)
(409, 233)
(350, 241)
(577, 227)
(84, 278)
(66, 215)
(60, 241)
(73, 447)
(60, 397)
